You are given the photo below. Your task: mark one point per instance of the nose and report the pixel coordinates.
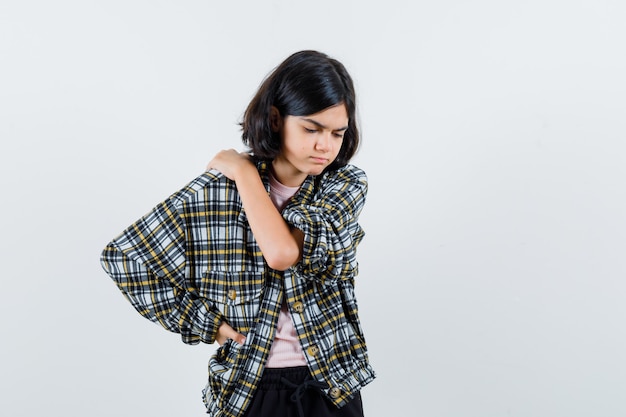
(323, 142)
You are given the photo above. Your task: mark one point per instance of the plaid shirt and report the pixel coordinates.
(192, 263)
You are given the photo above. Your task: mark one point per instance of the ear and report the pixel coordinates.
(276, 120)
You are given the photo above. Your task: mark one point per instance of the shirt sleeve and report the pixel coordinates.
(330, 226)
(147, 262)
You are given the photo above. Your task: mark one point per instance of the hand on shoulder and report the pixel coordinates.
(231, 163)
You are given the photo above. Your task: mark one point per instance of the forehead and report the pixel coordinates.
(335, 117)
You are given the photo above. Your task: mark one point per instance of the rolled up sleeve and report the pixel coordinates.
(330, 225)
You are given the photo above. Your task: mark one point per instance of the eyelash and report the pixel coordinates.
(337, 135)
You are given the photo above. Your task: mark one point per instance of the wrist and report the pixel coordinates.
(245, 170)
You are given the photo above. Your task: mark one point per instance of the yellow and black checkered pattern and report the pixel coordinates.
(192, 263)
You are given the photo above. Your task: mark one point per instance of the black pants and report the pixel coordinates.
(290, 392)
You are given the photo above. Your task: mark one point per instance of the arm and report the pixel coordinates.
(280, 244)
(147, 262)
(317, 237)
(328, 219)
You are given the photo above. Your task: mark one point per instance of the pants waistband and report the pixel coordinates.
(272, 377)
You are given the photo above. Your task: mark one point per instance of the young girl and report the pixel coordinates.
(259, 253)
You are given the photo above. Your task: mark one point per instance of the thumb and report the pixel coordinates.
(226, 332)
(239, 338)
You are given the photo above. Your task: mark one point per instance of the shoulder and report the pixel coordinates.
(348, 174)
(342, 187)
(199, 186)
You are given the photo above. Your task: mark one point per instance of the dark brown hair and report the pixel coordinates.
(306, 83)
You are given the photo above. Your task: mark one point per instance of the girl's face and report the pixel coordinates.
(309, 143)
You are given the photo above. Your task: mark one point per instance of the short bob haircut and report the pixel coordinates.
(306, 83)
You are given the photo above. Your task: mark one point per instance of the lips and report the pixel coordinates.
(319, 160)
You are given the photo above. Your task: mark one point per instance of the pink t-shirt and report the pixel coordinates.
(286, 350)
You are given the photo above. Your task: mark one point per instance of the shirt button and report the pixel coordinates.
(334, 393)
(300, 220)
(298, 307)
(313, 350)
(232, 294)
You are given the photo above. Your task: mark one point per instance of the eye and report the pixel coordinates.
(310, 130)
(338, 135)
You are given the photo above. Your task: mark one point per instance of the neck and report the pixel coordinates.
(287, 174)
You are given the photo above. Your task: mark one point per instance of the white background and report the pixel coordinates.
(492, 274)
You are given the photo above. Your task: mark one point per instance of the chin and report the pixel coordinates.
(317, 171)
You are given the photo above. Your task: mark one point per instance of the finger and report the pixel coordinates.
(209, 166)
(226, 332)
(239, 338)
(234, 335)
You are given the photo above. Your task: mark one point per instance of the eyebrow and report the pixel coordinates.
(318, 124)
